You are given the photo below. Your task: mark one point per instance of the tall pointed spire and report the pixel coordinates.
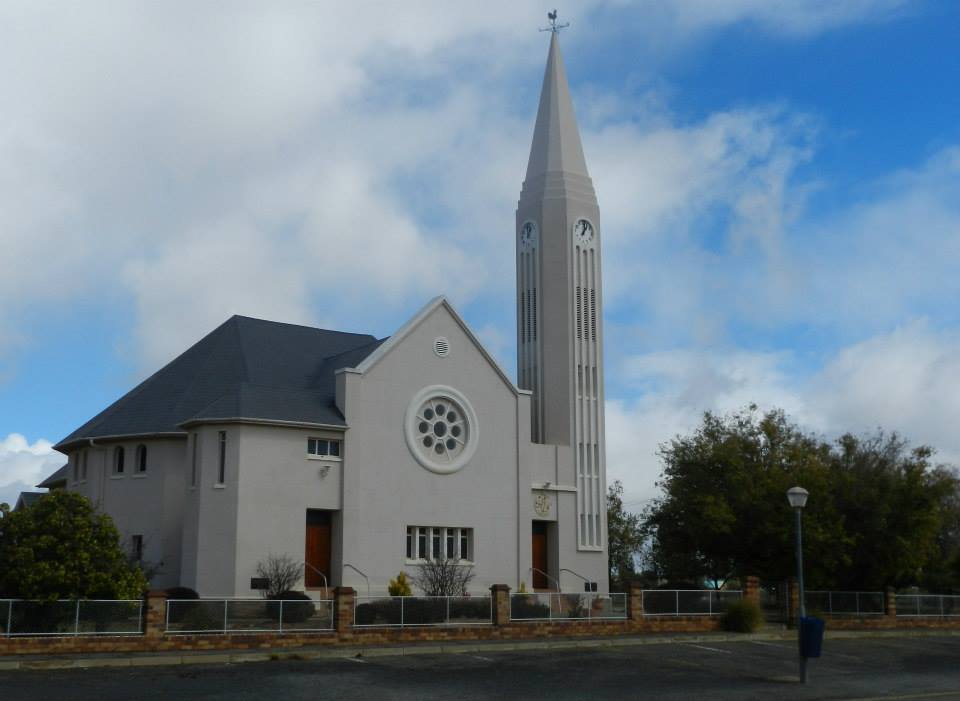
(556, 139)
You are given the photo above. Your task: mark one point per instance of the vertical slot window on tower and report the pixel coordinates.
(523, 317)
(533, 292)
(579, 316)
(222, 460)
(593, 315)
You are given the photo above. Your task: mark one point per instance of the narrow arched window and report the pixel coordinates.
(141, 458)
(118, 457)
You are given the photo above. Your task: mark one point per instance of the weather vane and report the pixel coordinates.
(554, 27)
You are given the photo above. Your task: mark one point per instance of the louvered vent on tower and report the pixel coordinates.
(441, 346)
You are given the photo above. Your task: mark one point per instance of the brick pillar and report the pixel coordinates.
(343, 600)
(155, 615)
(890, 605)
(635, 601)
(500, 593)
(751, 589)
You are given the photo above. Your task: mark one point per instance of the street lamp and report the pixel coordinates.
(797, 496)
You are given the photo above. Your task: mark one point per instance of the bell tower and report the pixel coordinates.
(559, 297)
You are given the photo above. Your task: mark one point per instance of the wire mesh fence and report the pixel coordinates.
(558, 606)
(248, 615)
(935, 605)
(22, 617)
(401, 611)
(845, 603)
(688, 602)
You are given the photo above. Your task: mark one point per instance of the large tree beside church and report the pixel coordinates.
(880, 512)
(61, 547)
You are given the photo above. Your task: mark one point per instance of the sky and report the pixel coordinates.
(779, 182)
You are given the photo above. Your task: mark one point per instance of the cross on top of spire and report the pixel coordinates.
(554, 26)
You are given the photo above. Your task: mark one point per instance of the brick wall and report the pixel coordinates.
(155, 639)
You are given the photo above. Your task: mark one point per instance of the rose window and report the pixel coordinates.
(441, 429)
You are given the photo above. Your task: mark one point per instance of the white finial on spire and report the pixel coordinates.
(554, 27)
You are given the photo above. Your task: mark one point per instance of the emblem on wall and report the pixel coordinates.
(541, 504)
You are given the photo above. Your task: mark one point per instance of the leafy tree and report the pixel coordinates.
(62, 548)
(624, 538)
(878, 514)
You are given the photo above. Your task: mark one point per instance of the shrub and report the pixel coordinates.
(400, 586)
(529, 607)
(297, 607)
(742, 616)
(181, 593)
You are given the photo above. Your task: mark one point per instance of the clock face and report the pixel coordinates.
(583, 230)
(528, 234)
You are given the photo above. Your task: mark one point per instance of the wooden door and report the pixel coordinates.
(540, 562)
(317, 555)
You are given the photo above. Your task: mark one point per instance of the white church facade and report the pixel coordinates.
(361, 457)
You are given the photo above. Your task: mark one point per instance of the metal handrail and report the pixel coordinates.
(365, 577)
(326, 585)
(575, 574)
(534, 569)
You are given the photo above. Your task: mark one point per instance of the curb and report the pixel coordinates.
(308, 654)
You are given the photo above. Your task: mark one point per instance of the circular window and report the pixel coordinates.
(441, 429)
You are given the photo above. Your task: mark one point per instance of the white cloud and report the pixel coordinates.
(24, 464)
(905, 380)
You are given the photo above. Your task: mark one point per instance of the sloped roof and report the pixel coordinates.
(27, 499)
(57, 479)
(245, 368)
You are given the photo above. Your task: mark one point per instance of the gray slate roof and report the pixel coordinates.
(27, 499)
(57, 479)
(245, 368)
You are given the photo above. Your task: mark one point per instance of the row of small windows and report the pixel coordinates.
(439, 543)
(315, 446)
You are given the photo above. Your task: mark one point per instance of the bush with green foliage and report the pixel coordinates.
(61, 547)
(297, 607)
(400, 586)
(181, 593)
(742, 616)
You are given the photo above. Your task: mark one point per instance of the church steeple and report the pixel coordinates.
(559, 298)
(556, 139)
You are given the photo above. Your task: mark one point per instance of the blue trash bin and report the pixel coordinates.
(811, 636)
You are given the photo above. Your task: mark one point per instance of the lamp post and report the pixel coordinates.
(797, 496)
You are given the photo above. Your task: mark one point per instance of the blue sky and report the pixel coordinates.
(779, 182)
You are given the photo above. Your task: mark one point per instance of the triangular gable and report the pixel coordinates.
(426, 311)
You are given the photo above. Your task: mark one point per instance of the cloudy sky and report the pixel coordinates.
(779, 182)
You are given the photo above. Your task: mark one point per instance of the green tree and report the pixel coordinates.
(624, 538)
(62, 548)
(878, 514)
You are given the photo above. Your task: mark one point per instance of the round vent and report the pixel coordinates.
(441, 346)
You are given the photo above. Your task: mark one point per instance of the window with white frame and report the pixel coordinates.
(141, 458)
(83, 466)
(323, 447)
(439, 543)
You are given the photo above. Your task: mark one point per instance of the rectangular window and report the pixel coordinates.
(222, 465)
(193, 460)
(137, 547)
(76, 467)
(438, 543)
(421, 553)
(83, 466)
(323, 448)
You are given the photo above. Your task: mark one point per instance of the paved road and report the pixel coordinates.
(918, 668)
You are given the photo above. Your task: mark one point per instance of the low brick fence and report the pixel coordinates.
(155, 638)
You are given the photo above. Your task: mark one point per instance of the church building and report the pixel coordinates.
(361, 457)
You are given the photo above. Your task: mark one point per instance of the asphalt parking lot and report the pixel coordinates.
(865, 668)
